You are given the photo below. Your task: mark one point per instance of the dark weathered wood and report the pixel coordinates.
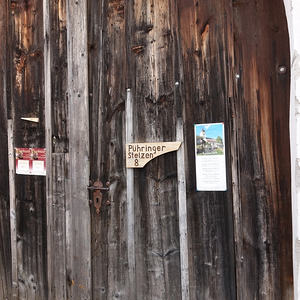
(225, 56)
(78, 225)
(205, 32)
(27, 100)
(5, 251)
(261, 109)
(107, 104)
(59, 97)
(150, 51)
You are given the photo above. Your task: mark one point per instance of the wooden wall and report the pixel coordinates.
(22, 95)
(69, 63)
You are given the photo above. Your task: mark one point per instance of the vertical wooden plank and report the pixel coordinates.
(60, 145)
(236, 198)
(5, 251)
(59, 97)
(27, 100)
(150, 69)
(48, 140)
(206, 42)
(97, 32)
(261, 108)
(56, 143)
(182, 209)
(130, 201)
(247, 250)
(181, 163)
(57, 240)
(78, 227)
(107, 91)
(12, 201)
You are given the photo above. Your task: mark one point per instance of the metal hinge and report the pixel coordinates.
(97, 190)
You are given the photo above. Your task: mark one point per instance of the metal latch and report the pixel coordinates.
(97, 190)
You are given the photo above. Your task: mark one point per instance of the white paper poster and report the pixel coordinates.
(210, 157)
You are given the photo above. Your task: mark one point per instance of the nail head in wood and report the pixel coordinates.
(282, 69)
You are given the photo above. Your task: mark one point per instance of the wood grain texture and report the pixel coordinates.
(107, 105)
(57, 223)
(12, 209)
(182, 209)
(225, 57)
(130, 201)
(261, 109)
(59, 95)
(206, 42)
(27, 100)
(78, 224)
(56, 120)
(48, 138)
(139, 154)
(5, 251)
(151, 75)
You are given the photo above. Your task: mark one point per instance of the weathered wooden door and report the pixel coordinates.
(230, 62)
(229, 70)
(133, 45)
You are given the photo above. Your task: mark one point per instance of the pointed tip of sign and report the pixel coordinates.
(35, 120)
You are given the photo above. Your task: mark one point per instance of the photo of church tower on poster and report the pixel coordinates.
(210, 157)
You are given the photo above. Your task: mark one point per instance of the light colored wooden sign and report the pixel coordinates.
(35, 120)
(139, 154)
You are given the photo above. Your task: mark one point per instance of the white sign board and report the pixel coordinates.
(210, 157)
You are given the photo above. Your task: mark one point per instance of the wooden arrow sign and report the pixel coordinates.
(139, 154)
